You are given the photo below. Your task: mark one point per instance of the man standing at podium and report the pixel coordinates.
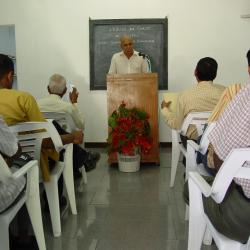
(128, 61)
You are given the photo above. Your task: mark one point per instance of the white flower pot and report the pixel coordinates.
(129, 163)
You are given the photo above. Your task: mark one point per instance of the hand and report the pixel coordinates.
(78, 137)
(73, 96)
(165, 104)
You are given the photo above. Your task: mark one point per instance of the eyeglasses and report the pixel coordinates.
(127, 44)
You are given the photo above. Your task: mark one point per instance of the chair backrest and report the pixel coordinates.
(204, 140)
(199, 119)
(31, 134)
(231, 168)
(64, 120)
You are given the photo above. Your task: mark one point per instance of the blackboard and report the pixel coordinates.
(150, 37)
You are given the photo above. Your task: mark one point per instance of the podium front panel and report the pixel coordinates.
(141, 91)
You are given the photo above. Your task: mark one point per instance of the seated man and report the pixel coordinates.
(54, 102)
(202, 97)
(11, 190)
(232, 131)
(57, 88)
(227, 96)
(18, 106)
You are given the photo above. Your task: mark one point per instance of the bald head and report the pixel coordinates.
(127, 45)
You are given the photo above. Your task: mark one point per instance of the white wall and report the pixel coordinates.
(53, 36)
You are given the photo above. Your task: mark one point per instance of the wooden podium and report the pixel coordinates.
(141, 91)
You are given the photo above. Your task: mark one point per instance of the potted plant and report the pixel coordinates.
(129, 136)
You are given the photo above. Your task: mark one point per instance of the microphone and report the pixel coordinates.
(143, 55)
(147, 59)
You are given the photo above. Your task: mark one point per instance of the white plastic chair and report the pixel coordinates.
(30, 197)
(31, 143)
(199, 223)
(66, 122)
(198, 119)
(193, 148)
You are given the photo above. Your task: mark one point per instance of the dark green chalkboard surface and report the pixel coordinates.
(150, 37)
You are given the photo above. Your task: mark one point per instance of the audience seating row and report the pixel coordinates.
(200, 227)
(30, 136)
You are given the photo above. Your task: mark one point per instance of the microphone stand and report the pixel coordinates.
(149, 64)
(148, 61)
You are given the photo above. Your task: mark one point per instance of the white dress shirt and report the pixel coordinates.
(55, 103)
(120, 64)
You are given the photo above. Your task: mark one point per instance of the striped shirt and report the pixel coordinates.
(203, 97)
(225, 99)
(232, 131)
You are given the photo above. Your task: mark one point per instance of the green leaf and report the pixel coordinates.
(112, 122)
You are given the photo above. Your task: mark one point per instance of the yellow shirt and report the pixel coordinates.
(203, 97)
(18, 106)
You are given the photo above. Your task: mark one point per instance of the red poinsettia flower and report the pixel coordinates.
(129, 131)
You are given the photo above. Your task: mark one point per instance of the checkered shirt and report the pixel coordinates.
(233, 131)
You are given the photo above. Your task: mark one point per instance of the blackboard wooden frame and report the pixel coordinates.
(94, 24)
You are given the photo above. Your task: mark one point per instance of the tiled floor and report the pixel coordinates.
(126, 211)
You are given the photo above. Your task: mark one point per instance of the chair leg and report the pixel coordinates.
(33, 205)
(34, 209)
(4, 236)
(174, 163)
(51, 189)
(197, 223)
(197, 226)
(68, 178)
(207, 239)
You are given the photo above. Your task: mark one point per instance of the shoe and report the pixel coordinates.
(91, 161)
(95, 156)
(77, 175)
(90, 165)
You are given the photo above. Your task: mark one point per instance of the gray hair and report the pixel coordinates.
(57, 84)
(126, 37)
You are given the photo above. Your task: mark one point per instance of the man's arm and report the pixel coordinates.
(112, 68)
(74, 111)
(9, 147)
(74, 137)
(174, 120)
(8, 143)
